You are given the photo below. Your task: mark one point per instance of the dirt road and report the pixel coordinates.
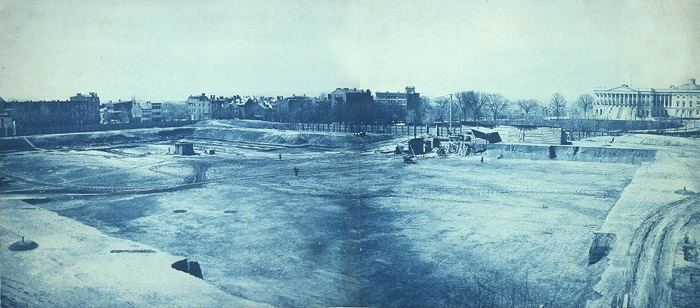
(652, 250)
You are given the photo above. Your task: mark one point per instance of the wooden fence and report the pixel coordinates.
(393, 129)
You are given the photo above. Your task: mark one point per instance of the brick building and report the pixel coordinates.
(350, 96)
(401, 103)
(120, 112)
(78, 110)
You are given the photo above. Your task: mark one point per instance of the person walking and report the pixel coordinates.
(296, 171)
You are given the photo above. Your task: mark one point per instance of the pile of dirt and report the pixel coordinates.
(23, 245)
(242, 124)
(225, 130)
(82, 139)
(15, 144)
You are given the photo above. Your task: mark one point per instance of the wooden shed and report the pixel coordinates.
(184, 148)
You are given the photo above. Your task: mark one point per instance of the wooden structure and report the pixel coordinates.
(184, 148)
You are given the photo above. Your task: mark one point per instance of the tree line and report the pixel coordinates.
(474, 105)
(468, 105)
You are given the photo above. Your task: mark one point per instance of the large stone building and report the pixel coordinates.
(157, 112)
(202, 107)
(119, 112)
(350, 96)
(253, 108)
(142, 112)
(400, 103)
(78, 110)
(199, 107)
(626, 103)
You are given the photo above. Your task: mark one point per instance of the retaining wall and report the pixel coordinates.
(324, 139)
(570, 153)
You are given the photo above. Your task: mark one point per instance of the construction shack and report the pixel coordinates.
(491, 136)
(184, 148)
(435, 142)
(416, 146)
(430, 144)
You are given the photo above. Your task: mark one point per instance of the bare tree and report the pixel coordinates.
(463, 101)
(527, 105)
(481, 100)
(175, 111)
(411, 117)
(471, 101)
(429, 114)
(585, 101)
(557, 105)
(442, 108)
(496, 104)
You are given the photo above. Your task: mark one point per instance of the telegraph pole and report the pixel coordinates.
(449, 132)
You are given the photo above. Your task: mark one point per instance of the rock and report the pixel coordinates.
(195, 270)
(181, 266)
(601, 246)
(690, 253)
(191, 267)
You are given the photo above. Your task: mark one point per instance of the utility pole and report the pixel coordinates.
(449, 131)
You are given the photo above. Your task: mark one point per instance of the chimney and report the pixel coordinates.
(691, 81)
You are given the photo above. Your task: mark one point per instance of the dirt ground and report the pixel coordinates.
(352, 229)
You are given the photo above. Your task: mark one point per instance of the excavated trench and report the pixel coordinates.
(363, 224)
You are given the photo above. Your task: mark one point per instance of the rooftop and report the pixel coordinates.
(690, 85)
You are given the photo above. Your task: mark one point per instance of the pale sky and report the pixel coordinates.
(167, 50)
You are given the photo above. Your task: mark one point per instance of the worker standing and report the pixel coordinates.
(296, 171)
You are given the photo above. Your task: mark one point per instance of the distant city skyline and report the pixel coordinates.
(168, 50)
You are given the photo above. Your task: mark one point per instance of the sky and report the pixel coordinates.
(168, 50)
